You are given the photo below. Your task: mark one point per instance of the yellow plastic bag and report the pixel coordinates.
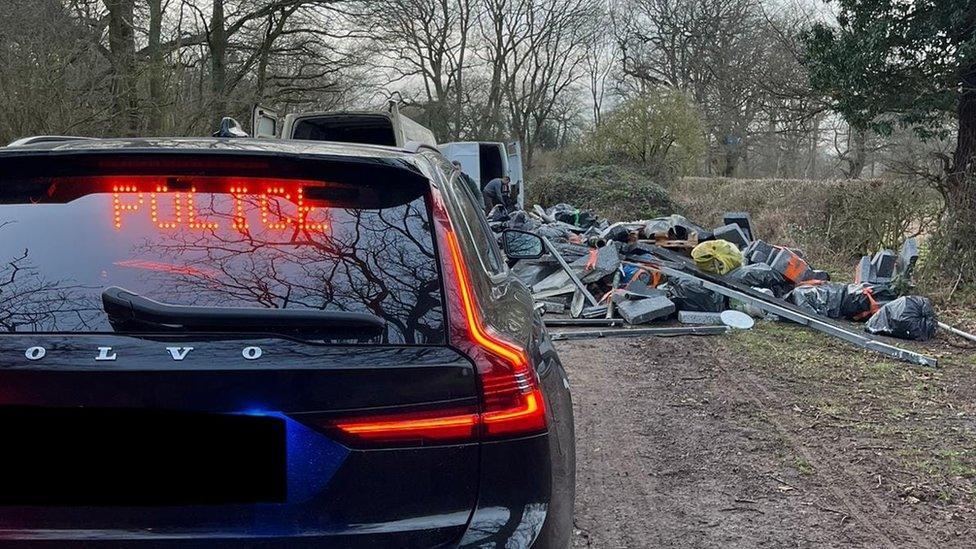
(717, 256)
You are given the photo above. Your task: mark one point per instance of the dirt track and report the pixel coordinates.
(682, 443)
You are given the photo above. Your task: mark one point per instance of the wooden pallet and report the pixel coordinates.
(661, 240)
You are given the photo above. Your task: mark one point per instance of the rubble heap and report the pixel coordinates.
(612, 270)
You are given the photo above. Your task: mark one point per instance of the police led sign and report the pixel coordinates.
(278, 206)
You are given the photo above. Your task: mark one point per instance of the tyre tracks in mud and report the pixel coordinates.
(752, 387)
(680, 445)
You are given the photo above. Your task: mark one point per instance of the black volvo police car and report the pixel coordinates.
(215, 342)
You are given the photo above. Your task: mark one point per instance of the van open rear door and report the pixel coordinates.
(514, 150)
(264, 123)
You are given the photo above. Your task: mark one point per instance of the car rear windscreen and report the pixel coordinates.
(242, 242)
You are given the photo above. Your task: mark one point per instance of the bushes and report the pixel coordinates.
(832, 221)
(660, 132)
(615, 192)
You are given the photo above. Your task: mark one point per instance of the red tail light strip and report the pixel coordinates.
(476, 328)
(512, 399)
(512, 402)
(425, 426)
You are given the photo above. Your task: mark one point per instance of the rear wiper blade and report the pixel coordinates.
(130, 312)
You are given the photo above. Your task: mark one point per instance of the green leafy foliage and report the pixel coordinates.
(660, 131)
(911, 63)
(892, 62)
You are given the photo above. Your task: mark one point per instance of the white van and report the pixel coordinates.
(486, 160)
(388, 128)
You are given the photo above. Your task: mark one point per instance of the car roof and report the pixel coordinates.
(355, 162)
(214, 145)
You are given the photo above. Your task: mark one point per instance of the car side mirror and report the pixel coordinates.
(522, 245)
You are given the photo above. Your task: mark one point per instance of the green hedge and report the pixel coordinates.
(615, 192)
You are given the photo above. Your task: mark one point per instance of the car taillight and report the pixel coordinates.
(511, 399)
(427, 426)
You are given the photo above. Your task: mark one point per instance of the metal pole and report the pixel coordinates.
(583, 321)
(639, 332)
(806, 320)
(572, 276)
(958, 332)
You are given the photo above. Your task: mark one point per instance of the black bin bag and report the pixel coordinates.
(910, 317)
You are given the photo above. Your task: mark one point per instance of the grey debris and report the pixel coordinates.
(742, 219)
(640, 332)
(907, 257)
(576, 307)
(552, 307)
(757, 252)
(642, 311)
(884, 264)
(595, 311)
(699, 317)
(731, 233)
(607, 261)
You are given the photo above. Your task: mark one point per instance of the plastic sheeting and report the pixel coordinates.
(863, 300)
(761, 275)
(692, 296)
(823, 299)
(717, 256)
(909, 317)
(673, 227)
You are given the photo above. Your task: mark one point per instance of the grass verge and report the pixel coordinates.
(912, 425)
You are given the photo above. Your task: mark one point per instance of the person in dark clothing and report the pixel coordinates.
(497, 192)
(475, 188)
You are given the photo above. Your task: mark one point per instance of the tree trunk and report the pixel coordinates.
(960, 187)
(814, 150)
(155, 67)
(491, 120)
(122, 49)
(218, 64)
(857, 152)
(731, 155)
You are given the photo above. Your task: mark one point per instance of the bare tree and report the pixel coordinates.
(122, 55)
(724, 53)
(427, 40)
(30, 301)
(599, 60)
(545, 63)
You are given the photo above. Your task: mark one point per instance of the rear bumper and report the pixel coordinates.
(514, 509)
(408, 497)
(515, 496)
(425, 537)
(446, 537)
